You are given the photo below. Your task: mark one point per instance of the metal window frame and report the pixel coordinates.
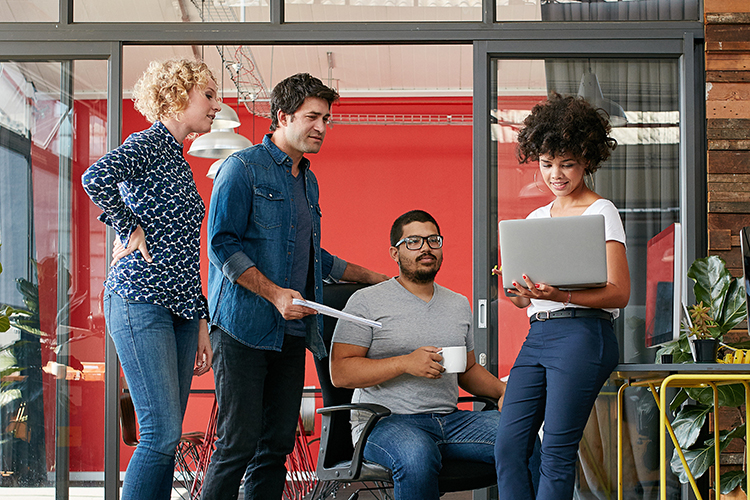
(66, 40)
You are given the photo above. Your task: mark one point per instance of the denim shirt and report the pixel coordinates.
(251, 222)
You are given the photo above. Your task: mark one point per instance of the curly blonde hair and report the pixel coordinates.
(162, 91)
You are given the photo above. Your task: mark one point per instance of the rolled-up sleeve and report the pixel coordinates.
(333, 267)
(235, 265)
(228, 213)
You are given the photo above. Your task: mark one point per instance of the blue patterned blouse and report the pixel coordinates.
(147, 181)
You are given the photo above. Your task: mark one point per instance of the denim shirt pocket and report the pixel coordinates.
(268, 207)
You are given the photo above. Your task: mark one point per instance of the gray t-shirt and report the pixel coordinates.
(408, 323)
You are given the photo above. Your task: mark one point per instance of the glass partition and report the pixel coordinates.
(171, 11)
(382, 10)
(598, 10)
(29, 11)
(52, 126)
(642, 179)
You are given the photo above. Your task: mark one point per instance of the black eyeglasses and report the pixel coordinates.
(434, 241)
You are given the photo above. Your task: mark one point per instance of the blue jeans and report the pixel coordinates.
(413, 446)
(556, 378)
(259, 394)
(157, 352)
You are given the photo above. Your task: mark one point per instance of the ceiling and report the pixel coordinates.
(364, 70)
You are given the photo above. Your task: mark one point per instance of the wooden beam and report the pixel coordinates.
(714, 6)
(727, 76)
(728, 162)
(728, 18)
(719, 239)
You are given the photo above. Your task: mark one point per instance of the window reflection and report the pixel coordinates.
(36, 11)
(53, 265)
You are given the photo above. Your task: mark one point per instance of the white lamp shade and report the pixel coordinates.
(590, 90)
(218, 144)
(225, 118)
(214, 168)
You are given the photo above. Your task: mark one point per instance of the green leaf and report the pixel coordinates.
(735, 310)
(678, 399)
(9, 396)
(698, 460)
(730, 480)
(729, 395)
(4, 323)
(727, 435)
(7, 360)
(688, 423)
(711, 281)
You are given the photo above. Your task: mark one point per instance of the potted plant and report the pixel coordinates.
(705, 332)
(720, 307)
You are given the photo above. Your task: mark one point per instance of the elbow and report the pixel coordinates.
(337, 378)
(622, 300)
(341, 382)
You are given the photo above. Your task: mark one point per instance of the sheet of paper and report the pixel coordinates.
(335, 313)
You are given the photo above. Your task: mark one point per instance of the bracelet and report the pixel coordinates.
(565, 304)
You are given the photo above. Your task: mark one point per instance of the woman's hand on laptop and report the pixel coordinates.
(541, 291)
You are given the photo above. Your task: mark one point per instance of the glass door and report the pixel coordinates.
(653, 101)
(53, 125)
(641, 178)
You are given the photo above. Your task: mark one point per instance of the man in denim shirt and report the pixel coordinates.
(264, 250)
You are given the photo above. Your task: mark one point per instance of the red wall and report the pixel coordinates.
(368, 176)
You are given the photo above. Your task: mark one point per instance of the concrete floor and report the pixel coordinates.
(92, 493)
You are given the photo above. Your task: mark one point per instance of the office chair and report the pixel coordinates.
(338, 460)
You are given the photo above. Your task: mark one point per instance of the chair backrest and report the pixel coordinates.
(340, 444)
(127, 420)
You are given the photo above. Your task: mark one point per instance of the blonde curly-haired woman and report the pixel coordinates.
(154, 306)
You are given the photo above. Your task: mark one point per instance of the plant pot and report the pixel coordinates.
(705, 350)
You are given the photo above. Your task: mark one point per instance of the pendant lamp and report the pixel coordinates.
(221, 141)
(214, 168)
(590, 90)
(218, 144)
(225, 118)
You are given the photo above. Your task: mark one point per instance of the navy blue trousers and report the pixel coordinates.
(555, 380)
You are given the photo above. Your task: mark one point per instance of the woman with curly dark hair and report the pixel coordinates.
(565, 359)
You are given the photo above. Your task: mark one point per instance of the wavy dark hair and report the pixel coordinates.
(289, 94)
(566, 125)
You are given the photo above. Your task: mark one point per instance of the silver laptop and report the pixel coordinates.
(566, 252)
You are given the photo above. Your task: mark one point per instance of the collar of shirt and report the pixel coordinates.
(279, 156)
(162, 133)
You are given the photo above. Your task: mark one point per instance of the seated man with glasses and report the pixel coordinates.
(399, 366)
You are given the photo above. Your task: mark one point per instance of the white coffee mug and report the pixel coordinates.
(454, 359)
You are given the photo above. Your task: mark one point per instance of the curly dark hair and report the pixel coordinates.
(289, 94)
(566, 125)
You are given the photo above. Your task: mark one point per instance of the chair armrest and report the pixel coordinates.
(489, 403)
(377, 412)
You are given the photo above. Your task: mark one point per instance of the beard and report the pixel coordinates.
(420, 275)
